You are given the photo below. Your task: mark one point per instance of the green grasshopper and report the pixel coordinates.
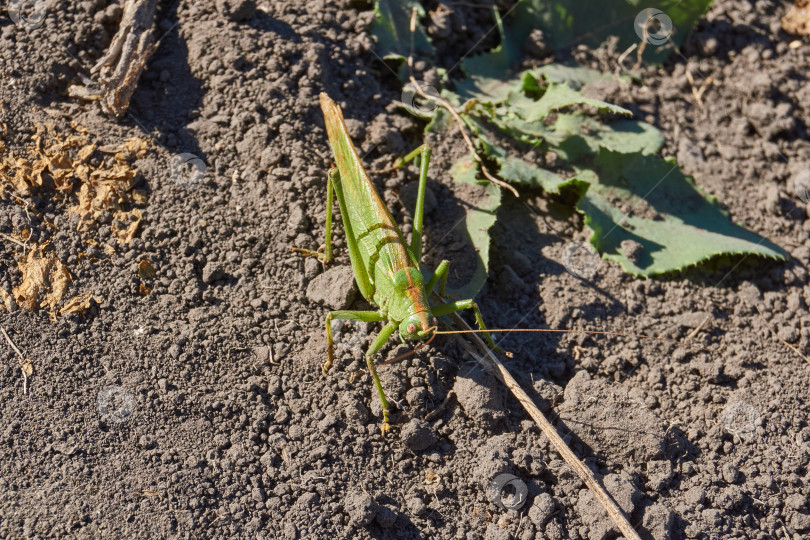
(385, 267)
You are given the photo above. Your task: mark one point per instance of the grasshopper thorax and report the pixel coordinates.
(410, 305)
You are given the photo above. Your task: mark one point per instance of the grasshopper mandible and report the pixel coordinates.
(385, 267)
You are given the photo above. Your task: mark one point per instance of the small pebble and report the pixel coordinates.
(385, 517)
(416, 506)
(361, 508)
(417, 435)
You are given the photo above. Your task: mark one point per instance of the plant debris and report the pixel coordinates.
(146, 272)
(44, 282)
(612, 170)
(79, 305)
(71, 167)
(120, 68)
(797, 19)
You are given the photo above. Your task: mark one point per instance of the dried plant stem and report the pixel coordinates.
(119, 69)
(492, 362)
(457, 117)
(24, 362)
(780, 340)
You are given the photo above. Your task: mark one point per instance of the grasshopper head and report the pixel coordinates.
(420, 325)
(410, 305)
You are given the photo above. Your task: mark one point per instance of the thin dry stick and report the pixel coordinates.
(22, 359)
(694, 332)
(16, 350)
(697, 93)
(782, 341)
(270, 357)
(11, 239)
(625, 54)
(449, 107)
(438, 411)
(490, 360)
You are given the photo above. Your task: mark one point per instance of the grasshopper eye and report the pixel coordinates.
(411, 328)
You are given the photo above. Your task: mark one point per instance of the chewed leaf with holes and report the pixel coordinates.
(624, 136)
(553, 97)
(652, 219)
(543, 129)
(644, 213)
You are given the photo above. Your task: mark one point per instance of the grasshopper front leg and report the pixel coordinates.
(440, 277)
(376, 345)
(459, 305)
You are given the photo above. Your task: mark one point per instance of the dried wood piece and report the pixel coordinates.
(118, 70)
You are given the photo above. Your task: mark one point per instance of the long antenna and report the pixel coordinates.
(590, 332)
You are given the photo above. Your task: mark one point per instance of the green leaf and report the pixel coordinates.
(570, 22)
(481, 215)
(575, 77)
(652, 219)
(522, 172)
(555, 97)
(392, 29)
(577, 135)
(644, 213)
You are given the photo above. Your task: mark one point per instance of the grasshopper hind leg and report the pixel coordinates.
(326, 255)
(346, 315)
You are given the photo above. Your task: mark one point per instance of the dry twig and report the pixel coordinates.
(452, 110)
(493, 363)
(25, 363)
(777, 338)
(697, 93)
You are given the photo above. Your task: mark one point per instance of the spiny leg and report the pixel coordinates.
(330, 193)
(452, 307)
(376, 345)
(365, 316)
(419, 211)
